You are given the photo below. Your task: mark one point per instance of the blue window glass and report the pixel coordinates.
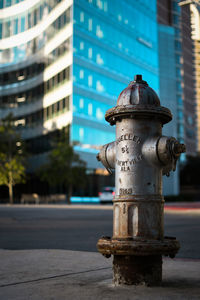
(22, 24)
(180, 101)
(15, 31)
(1, 3)
(35, 17)
(176, 19)
(92, 136)
(41, 12)
(180, 115)
(7, 29)
(0, 30)
(29, 20)
(7, 3)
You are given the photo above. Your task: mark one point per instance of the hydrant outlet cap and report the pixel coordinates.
(138, 100)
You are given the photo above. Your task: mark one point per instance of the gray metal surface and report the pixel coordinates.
(141, 155)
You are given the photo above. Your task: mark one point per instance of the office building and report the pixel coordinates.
(188, 82)
(170, 80)
(195, 24)
(177, 82)
(64, 63)
(112, 41)
(175, 17)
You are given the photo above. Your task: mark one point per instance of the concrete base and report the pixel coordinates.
(135, 270)
(61, 274)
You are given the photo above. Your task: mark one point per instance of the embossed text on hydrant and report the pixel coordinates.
(125, 165)
(128, 137)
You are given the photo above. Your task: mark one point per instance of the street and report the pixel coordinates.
(74, 228)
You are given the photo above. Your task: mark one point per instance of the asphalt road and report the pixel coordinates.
(79, 229)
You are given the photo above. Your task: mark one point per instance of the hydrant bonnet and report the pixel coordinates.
(138, 100)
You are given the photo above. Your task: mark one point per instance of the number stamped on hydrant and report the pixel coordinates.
(125, 191)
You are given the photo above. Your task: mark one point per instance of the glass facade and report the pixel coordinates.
(28, 21)
(168, 94)
(63, 64)
(176, 14)
(195, 21)
(111, 43)
(35, 70)
(189, 122)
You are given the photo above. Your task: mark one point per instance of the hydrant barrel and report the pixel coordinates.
(137, 183)
(140, 156)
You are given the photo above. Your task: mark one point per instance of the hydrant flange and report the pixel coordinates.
(168, 247)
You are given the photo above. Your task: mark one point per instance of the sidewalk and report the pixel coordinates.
(71, 275)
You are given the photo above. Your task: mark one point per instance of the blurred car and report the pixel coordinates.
(106, 195)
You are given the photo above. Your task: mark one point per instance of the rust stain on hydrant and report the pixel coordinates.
(140, 156)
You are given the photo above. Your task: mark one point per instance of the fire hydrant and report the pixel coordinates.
(140, 156)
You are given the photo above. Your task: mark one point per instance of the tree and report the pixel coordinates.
(64, 167)
(12, 169)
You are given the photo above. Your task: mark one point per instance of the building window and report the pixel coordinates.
(190, 120)
(99, 86)
(175, 19)
(35, 17)
(7, 29)
(180, 101)
(82, 16)
(99, 32)
(65, 103)
(29, 20)
(22, 24)
(81, 45)
(99, 114)
(41, 12)
(105, 6)
(90, 24)
(90, 52)
(119, 17)
(15, 26)
(99, 60)
(81, 74)
(90, 109)
(178, 59)
(81, 103)
(90, 80)
(81, 133)
(7, 3)
(100, 4)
